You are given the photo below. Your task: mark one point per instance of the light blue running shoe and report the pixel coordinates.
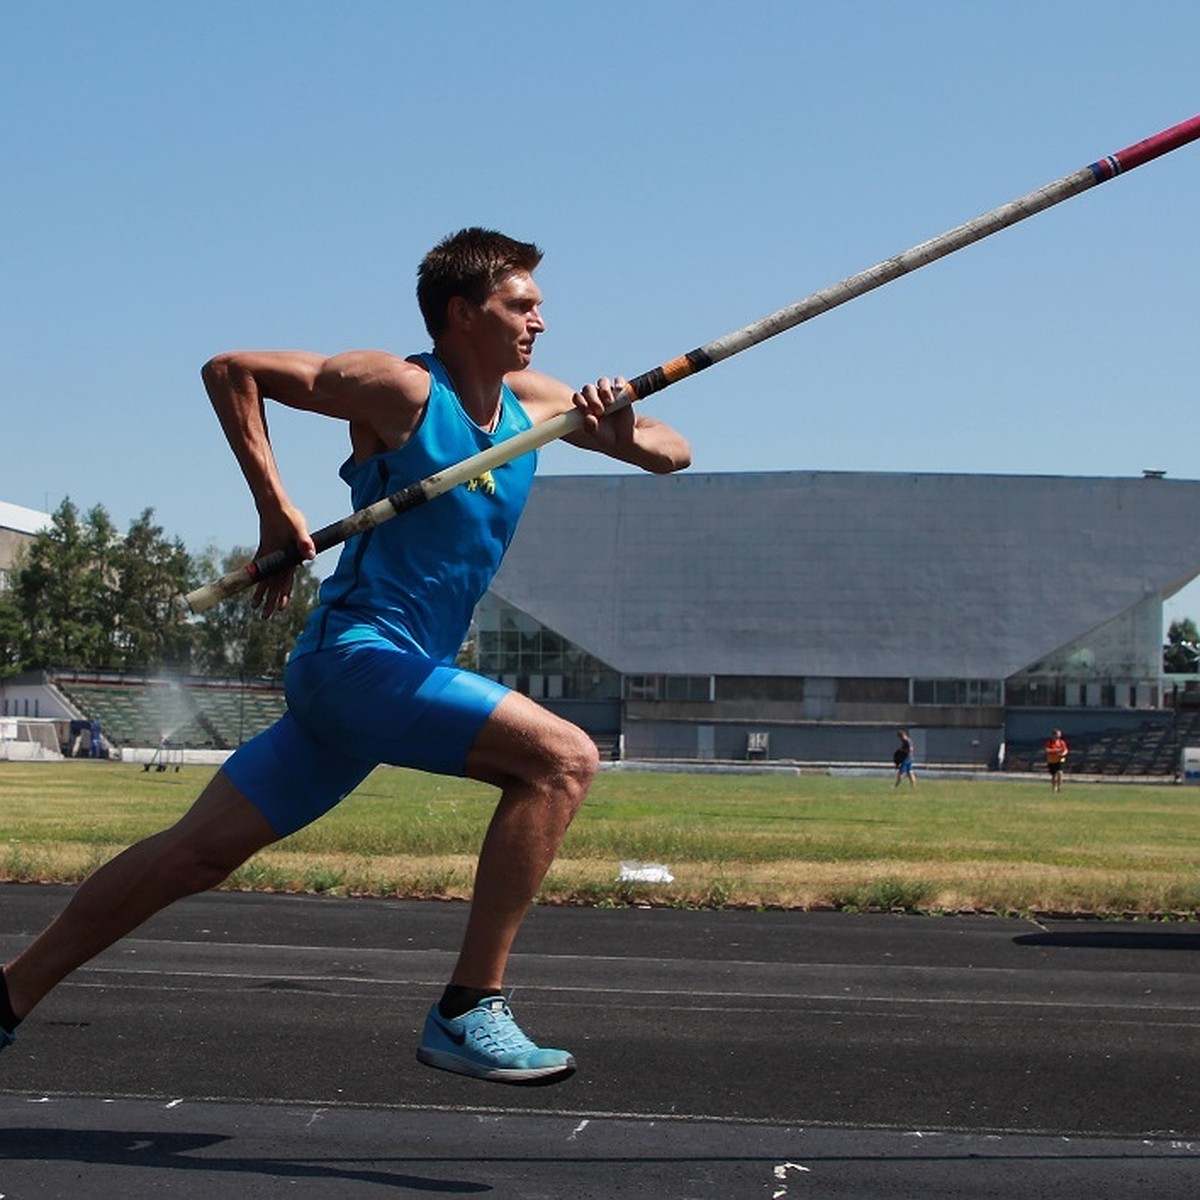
(487, 1043)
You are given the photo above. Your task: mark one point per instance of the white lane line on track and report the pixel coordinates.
(1152, 1145)
(842, 1001)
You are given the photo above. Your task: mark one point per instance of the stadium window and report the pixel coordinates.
(693, 688)
(983, 693)
(957, 693)
(553, 653)
(531, 648)
(643, 687)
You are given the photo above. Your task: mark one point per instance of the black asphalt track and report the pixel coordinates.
(262, 1046)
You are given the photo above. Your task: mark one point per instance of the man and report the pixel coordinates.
(371, 678)
(902, 757)
(1056, 759)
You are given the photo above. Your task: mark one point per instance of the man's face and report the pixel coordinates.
(509, 320)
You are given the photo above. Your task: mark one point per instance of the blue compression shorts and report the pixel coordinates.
(349, 709)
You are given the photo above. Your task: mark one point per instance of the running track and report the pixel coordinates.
(262, 1046)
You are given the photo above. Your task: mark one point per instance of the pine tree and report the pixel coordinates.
(60, 591)
(1182, 651)
(151, 572)
(232, 639)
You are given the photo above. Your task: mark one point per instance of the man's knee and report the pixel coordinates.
(578, 759)
(186, 863)
(219, 833)
(526, 745)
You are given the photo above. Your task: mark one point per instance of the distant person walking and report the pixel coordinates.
(902, 756)
(1056, 759)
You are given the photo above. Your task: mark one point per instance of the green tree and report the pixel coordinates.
(12, 634)
(150, 573)
(100, 539)
(61, 591)
(1181, 654)
(231, 639)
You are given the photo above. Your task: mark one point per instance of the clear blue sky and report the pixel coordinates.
(183, 178)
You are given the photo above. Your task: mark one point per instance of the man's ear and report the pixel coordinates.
(459, 312)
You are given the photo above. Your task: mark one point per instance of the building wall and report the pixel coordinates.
(783, 590)
(11, 543)
(895, 715)
(824, 742)
(795, 574)
(32, 696)
(18, 526)
(1035, 724)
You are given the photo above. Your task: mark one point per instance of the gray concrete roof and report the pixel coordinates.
(843, 573)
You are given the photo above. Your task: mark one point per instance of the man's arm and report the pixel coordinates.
(380, 395)
(624, 434)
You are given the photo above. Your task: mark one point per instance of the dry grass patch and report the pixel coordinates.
(768, 841)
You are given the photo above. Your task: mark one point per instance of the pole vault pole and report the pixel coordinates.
(416, 494)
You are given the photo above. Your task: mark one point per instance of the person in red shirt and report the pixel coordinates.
(1056, 759)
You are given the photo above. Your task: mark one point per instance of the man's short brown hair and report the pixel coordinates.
(470, 263)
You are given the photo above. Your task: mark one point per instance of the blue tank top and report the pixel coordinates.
(415, 580)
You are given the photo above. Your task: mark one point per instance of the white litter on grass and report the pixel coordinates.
(640, 872)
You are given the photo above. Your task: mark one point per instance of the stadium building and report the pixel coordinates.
(18, 526)
(798, 617)
(807, 616)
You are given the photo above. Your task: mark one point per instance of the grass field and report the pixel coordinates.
(1007, 846)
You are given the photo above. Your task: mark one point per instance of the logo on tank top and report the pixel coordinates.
(484, 483)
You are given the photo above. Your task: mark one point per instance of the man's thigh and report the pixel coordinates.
(386, 705)
(522, 739)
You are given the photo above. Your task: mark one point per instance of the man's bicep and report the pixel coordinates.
(540, 395)
(368, 385)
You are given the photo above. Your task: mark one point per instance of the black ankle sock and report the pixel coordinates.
(8, 1019)
(457, 1000)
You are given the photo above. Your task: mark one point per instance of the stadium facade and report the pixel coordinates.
(795, 616)
(18, 527)
(808, 615)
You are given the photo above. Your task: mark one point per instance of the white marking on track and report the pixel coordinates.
(781, 1174)
(578, 1129)
(847, 999)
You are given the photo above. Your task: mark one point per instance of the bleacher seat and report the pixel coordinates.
(1151, 749)
(136, 711)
